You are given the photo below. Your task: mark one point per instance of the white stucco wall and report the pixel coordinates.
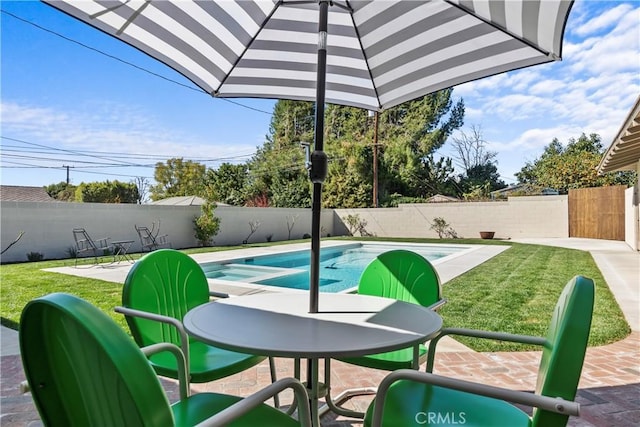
(48, 226)
(632, 213)
(536, 216)
(234, 224)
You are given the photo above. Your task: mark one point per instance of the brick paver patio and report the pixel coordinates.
(609, 390)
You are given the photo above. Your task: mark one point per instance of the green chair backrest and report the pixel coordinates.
(166, 282)
(563, 354)
(402, 275)
(83, 370)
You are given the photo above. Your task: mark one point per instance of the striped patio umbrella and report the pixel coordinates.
(368, 54)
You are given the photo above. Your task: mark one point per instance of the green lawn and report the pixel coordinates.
(513, 292)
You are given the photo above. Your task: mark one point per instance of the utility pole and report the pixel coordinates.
(375, 159)
(65, 166)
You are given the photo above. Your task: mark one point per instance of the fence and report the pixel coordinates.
(597, 213)
(48, 226)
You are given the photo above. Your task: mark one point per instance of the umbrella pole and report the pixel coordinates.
(318, 158)
(314, 288)
(317, 174)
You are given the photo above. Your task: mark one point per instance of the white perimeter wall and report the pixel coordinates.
(536, 216)
(48, 226)
(632, 213)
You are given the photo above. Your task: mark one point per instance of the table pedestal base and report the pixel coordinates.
(333, 404)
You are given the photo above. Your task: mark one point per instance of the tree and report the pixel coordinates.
(408, 134)
(349, 179)
(107, 192)
(142, 183)
(411, 132)
(62, 191)
(482, 175)
(478, 164)
(229, 183)
(573, 166)
(177, 177)
(437, 178)
(277, 169)
(345, 188)
(348, 142)
(471, 149)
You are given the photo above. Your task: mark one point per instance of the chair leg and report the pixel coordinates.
(274, 378)
(296, 375)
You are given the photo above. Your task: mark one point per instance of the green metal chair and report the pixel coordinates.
(83, 370)
(407, 397)
(405, 276)
(402, 275)
(159, 290)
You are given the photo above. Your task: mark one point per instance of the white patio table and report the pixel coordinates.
(279, 325)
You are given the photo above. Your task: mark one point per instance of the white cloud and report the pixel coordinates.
(546, 87)
(28, 119)
(605, 20)
(107, 127)
(519, 106)
(472, 114)
(613, 52)
(538, 138)
(590, 91)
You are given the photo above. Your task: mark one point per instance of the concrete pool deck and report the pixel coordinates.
(609, 389)
(447, 268)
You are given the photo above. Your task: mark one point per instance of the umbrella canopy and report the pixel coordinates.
(379, 53)
(368, 54)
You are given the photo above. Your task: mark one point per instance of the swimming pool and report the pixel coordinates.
(340, 267)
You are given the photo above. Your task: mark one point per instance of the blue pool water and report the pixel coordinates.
(340, 267)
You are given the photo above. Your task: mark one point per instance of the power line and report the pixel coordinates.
(28, 166)
(28, 150)
(40, 27)
(116, 174)
(84, 164)
(76, 152)
(98, 155)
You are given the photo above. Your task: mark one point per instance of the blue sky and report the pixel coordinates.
(66, 104)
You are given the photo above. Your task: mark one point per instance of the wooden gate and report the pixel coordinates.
(597, 213)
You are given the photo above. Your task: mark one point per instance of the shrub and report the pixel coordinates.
(356, 224)
(207, 224)
(291, 221)
(72, 252)
(442, 227)
(35, 256)
(253, 226)
(394, 199)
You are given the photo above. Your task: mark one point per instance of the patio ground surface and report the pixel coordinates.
(609, 389)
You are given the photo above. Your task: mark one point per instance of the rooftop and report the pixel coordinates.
(624, 151)
(18, 193)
